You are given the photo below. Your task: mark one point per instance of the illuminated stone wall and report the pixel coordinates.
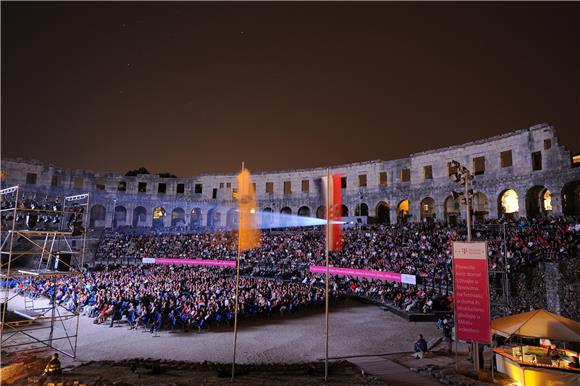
(426, 196)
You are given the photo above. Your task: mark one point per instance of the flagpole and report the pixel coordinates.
(328, 182)
(237, 293)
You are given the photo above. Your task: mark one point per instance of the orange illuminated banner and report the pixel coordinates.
(249, 233)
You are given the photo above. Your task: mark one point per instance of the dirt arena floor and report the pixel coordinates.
(355, 329)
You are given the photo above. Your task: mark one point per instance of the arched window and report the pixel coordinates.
(139, 216)
(159, 214)
(427, 209)
(304, 211)
(382, 213)
(361, 210)
(98, 213)
(195, 217)
(508, 203)
(178, 217)
(120, 215)
(403, 211)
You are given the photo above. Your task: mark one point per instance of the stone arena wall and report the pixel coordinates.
(416, 188)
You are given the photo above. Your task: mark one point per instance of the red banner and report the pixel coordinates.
(471, 291)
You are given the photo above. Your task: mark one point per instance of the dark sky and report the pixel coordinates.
(195, 88)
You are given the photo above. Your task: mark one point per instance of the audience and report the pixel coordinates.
(275, 277)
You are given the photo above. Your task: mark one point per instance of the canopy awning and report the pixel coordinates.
(537, 324)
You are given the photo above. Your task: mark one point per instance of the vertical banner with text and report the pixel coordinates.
(471, 291)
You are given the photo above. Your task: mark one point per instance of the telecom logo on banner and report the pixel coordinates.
(471, 291)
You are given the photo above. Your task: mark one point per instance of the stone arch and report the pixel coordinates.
(195, 220)
(213, 218)
(382, 212)
(403, 211)
(452, 210)
(304, 211)
(427, 209)
(321, 212)
(178, 217)
(361, 209)
(480, 207)
(232, 218)
(286, 210)
(97, 217)
(159, 214)
(538, 201)
(267, 217)
(344, 211)
(571, 198)
(139, 216)
(507, 203)
(120, 216)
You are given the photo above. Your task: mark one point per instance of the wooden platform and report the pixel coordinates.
(391, 372)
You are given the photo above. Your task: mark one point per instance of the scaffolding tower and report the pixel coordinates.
(41, 247)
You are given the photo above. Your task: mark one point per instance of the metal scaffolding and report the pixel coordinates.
(38, 252)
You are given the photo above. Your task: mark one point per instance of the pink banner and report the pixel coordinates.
(214, 263)
(380, 275)
(471, 287)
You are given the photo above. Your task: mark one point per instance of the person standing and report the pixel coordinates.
(447, 334)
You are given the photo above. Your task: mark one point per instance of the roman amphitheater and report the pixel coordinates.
(521, 173)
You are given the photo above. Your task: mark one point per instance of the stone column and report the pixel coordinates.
(109, 214)
(556, 193)
(393, 214)
(148, 218)
(493, 206)
(415, 210)
(522, 205)
(439, 208)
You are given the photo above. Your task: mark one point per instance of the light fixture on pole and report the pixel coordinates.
(463, 176)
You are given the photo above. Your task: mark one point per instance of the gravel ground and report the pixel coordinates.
(355, 329)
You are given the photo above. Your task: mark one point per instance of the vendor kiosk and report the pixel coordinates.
(543, 364)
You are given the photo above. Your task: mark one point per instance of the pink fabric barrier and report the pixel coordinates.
(214, 263)
(380, 275)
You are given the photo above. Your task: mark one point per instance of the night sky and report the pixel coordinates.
(193, 88)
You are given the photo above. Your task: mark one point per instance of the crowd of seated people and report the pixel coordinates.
(417, 249)
(168, 297)
(276, 278)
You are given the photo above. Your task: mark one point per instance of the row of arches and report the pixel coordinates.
(538, 202)
(178, 218)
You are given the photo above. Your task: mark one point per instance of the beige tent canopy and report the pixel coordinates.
(537, 324)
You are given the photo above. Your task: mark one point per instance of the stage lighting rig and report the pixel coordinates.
(463, 176)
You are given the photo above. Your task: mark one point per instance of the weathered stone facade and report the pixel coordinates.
(533, 163)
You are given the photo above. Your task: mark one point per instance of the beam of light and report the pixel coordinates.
(283, 220)
(229, 216)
